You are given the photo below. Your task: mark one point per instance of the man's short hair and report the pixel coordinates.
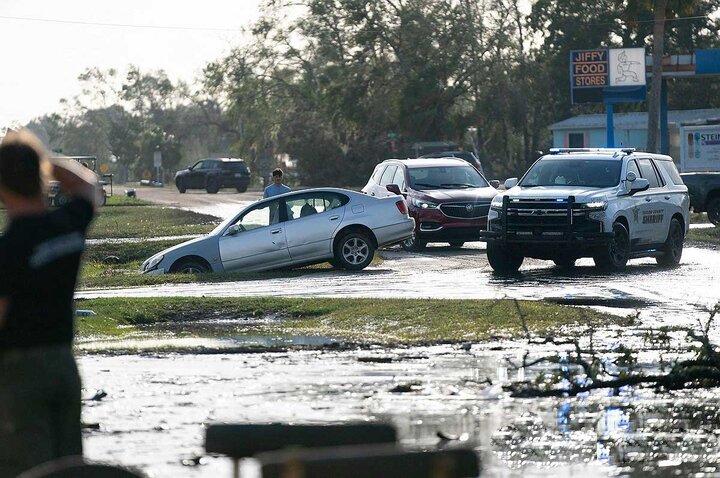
(277, 172)
(21, 156)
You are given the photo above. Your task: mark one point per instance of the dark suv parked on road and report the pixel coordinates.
(213, 175)
(448, 198)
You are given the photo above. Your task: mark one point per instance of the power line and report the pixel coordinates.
(117, 25)
(211, 29)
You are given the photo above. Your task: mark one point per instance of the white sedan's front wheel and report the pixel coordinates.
(354, 251)
(190, 266)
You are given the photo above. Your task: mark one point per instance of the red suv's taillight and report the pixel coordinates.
(402, 207)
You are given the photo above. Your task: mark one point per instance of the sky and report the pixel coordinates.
(46, 44)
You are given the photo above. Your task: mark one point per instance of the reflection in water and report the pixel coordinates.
(206, 335)
(156, 406)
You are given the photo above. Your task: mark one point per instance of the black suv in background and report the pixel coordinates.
(213, 175)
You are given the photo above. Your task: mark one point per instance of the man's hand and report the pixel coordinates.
(76, 179)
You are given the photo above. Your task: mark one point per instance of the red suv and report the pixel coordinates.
(448, 198)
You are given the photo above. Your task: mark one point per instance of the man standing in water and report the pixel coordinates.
(40, 254)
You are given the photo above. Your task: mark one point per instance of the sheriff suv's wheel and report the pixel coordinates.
(616, 253)
(354, 251)
(414, 244)
(673, 247)
(502, 259)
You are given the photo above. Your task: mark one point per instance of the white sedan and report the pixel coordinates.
(298, 228)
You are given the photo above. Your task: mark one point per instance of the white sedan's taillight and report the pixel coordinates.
(402, 207)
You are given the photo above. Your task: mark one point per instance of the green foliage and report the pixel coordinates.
(323, 82)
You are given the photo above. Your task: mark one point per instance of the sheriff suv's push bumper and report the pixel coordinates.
(546, 223)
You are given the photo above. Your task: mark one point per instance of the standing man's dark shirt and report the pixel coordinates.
(39, 261)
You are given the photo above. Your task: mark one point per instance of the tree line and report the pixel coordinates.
(339, 85)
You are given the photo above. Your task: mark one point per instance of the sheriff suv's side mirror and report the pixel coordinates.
(640, 184)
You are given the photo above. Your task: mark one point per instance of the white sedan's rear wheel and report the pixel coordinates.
(354, 251)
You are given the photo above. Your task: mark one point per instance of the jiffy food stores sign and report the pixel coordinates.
(594, 72)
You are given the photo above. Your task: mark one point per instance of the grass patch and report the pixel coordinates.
(384, 321)
(698, 218)
(119, 200)
(133, 221)
(97, 274)
(126, 251)
(710, 235)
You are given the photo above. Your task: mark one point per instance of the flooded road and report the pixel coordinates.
(663, 296)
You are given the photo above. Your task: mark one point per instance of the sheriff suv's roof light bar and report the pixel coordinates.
(591, 150)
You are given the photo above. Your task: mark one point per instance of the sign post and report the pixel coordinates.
(157, 162)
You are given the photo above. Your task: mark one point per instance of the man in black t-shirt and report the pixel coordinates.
(39, 259)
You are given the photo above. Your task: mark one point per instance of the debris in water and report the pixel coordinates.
(99, 395)
(385, 359)
(406, 387)
(448, 437)
(194, 461)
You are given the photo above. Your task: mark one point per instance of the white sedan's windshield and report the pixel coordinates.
(445, 177)
(592, 173)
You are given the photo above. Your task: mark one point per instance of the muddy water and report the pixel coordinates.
(153, 415)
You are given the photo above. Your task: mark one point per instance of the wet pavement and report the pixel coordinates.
(223, 204)
(663, 296)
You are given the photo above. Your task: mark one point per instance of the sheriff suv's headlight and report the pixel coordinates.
(596, 210)
(496, 202)
(152, 263)
(595, 206)
(421, 203)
